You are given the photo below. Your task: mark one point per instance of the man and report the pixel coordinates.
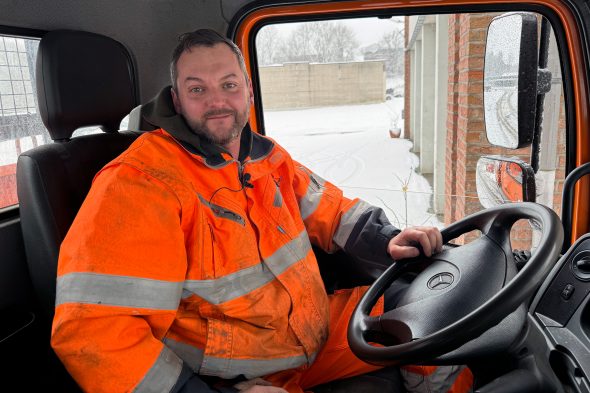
(189, 266)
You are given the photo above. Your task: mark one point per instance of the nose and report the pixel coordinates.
(215, 98)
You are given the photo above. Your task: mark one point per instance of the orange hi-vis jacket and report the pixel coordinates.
(182, 258)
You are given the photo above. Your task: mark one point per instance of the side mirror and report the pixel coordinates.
(511, 80)
(500, 180)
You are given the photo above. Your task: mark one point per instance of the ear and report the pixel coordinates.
(176, 101)
(250, 91)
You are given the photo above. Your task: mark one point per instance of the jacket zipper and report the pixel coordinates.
(241, 167)
(240, 173)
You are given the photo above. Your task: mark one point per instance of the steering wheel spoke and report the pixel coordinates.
(372, 324)
(403, 324)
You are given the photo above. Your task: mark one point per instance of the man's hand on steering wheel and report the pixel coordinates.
(408, 242)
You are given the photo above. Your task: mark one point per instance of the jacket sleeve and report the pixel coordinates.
(120, 277)
(335, 222)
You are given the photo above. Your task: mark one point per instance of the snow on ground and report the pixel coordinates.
(350, 146)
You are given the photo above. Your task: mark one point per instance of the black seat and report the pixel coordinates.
(83, 79)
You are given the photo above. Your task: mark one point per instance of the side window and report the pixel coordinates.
(391, 110)
(21, 127)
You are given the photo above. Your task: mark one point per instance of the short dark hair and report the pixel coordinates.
(202, 37)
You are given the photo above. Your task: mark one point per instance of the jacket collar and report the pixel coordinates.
(160, 112)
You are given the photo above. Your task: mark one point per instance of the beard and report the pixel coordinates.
(220, 136)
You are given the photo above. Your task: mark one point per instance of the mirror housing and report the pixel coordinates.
(510, 80)
(501, 180)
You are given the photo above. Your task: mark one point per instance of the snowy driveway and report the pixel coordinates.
(351, 147)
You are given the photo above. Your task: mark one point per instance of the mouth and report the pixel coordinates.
(218, 116)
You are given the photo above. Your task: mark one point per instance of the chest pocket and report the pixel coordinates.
(278, 204)
(229, 239)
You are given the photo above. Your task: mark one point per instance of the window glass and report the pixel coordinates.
(21, 127)
(391, 110)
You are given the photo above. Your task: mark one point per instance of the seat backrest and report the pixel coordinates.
(83, 79)
(137, 120)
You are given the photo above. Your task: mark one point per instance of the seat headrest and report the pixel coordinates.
(83, 79)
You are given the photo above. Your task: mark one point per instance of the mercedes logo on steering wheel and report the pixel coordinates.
(441, 281)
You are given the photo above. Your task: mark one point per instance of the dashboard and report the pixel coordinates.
(561, 310)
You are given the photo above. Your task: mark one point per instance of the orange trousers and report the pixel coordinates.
(336, 360)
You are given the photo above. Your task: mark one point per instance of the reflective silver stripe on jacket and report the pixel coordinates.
(190, 355)
(286, 256)
(348, 221)
(194, 358)
(250, 368)
(113, 290)
(162, 376)
(439, 381)
(244, 281)
(311, 200)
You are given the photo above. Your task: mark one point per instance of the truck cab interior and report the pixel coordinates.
(509, 296)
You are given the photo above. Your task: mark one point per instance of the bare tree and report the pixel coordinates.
(392, 45)
(297, 46)
(268, 43)
(392, 40)
(320, 42)
(334, 41)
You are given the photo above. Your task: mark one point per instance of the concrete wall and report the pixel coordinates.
(305, 85)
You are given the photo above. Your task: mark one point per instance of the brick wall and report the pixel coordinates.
(466, 139)
(454, 181)
(305, 85)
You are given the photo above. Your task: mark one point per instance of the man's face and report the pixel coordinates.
(212, 93)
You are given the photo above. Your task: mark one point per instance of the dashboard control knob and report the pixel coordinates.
(583, 264)
(580, 265)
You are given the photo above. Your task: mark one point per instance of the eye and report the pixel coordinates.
(196, 90)
(230, 85)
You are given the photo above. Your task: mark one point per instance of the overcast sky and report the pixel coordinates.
(368, 30)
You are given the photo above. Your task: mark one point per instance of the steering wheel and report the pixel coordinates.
(464, 291)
